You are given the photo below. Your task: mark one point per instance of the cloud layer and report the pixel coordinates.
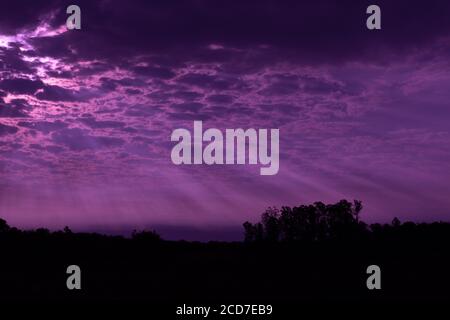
(86, 116)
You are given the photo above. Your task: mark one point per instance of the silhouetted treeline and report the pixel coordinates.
(318, 252)
(12, 233)
(332, 222)
(317, 222)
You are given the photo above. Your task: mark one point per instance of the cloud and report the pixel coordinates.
(12, 60)
(142, 110)
(155, 72)
(314, 32)
(15, 108)
(133, 91)
(109, 84)
(78, 140)
(43, 126)
(210, 81)
(193, 107)
(220, 98)
(11, 111)
(186, 95)
(21, 86)
(95, 124)
(23, 14)
(5, 130)
(60, 74)
(357, 110)
(56, 93)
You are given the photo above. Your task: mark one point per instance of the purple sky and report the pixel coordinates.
(86, 115)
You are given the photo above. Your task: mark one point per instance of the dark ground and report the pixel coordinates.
(159, 274)
(306, 258)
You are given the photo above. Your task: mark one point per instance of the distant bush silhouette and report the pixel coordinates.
(11, 233)
(146, 236)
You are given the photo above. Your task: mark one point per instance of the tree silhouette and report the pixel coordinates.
(314, 222)
(4, 227)
(271, 224)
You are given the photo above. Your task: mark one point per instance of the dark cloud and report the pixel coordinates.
(108, 84)
(17, 15)
(131, 82)
(187, 95)
(54, 149)
(155, 72)
(78, 140)
(19, 103)
(95, 124)
(55, 93)
(21, 86)
(16, 108)
(142, 110)
(11, 59)
(281, 85)
(133, 91)
(93, 68)
(130, 130)
(209, 81)
(319, 86)
(10, 111)
(283, 109)
(187, 107)
(318, 31)
(111, 84)
(4, 130)
(43, 126)
(60, 74)
(160, 95)
(220, 98)
(189, 116)
(223, 111)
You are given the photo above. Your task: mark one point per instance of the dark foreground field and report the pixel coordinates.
(33, 269)
(275, 267)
